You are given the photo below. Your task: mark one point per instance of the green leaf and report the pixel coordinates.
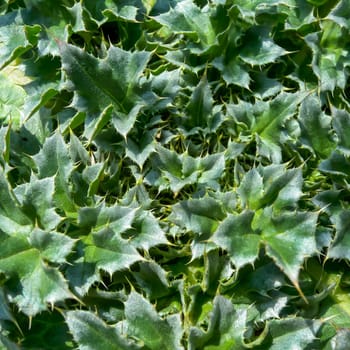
(341, 124)
(7, 344)
(211, 168)
(268, 124)
(271, 185)
(297, 331)
(198, 215)
(166, 86)
(144, 323)
(316, 127)
(15, 39)
(38, 284)
(201, 246)
(249, 8)
(225, 330)
(251, 189)
(53, 246)
(53, 18)
(12, 97)
(236, 236)
(41, 82)
(91, 333)
(117, 217)
(233, 71)
(5, 312)
(94, 124)
(186, 18)
(43, 286)
(109, 252)
(137, 196)
(53, 157)
(170, 161)
(267, 121)
(181, 170)
(283, 187)
(77, 151)
(5, 133)
(260, 48)
(48, 330)
(93, 175)
(10, 210)
(80, 273)
(288, 238)
(152, 279)
(340, 341)
(81, 22)
(36, 198)
(10, 226)
(329, 56)
(341, 242)
(340, 14)
(53, 160)
(337, 165)
(125, 11)
(262, 280)
(216, 267)
(265, 87)
(90, 76)
(336, 306)
(270, 121)
(149, 4)
(299, 14)
(139, 150)
(145, 232)
(199, 108)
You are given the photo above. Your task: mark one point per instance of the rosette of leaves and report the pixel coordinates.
(174, 174)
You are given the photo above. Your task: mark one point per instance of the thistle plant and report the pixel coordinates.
(174, 174)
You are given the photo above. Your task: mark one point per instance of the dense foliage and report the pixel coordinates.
(174, 174)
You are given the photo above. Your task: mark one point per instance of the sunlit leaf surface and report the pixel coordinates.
(174, 174)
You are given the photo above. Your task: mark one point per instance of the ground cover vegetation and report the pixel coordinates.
(174, 174)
